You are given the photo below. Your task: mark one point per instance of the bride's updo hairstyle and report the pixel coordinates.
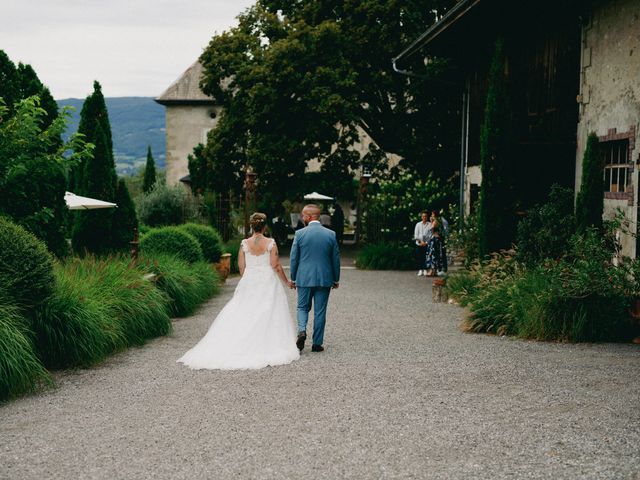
(258, 221)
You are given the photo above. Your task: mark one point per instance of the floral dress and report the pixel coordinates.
(436, 254)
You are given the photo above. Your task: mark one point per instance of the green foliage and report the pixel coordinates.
(209, 239)
(546, 230)
(384, 256)
(590, 200)
(124, 219)
(301, 81)
(33, 165)
(26, 267)
(186, 284)
(463, 285)
(20, 370)
(394, 206)
(581, 297)
(496, 216)
(74, 327)
(463, 239)
(149, 172)
(98, 307)
(21, 82)
(165, 206)
(173, 241)
(95, 178)
(233, 247)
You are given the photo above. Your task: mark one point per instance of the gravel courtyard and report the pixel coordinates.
(400, 392)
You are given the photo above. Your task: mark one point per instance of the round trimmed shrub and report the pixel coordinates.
(164, 205)
(174, 241)
(209, 239)
(26, 266)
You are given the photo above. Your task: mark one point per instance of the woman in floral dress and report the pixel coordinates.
(436, 254)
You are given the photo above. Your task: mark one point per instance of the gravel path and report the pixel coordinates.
(400, 392)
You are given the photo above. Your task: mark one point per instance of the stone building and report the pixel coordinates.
(574, 68)
(190, 114)
(609, 103)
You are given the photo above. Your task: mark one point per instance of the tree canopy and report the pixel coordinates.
(33, 168)
(303, 81)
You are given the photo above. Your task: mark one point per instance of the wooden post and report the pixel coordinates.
(249, 198)
(439, 290)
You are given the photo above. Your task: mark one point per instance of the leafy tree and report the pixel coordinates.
(21, 82)
(9, 83)
(149, 172)
(29, 85)
(33, 168)
(590, 200)
(496, 215)
(304, 80)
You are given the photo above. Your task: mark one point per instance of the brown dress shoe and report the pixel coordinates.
(317, 348)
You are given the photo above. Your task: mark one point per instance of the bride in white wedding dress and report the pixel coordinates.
(255, 328)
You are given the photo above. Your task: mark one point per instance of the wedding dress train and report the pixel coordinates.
(254, 329)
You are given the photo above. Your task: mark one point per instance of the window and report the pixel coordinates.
(617, 170)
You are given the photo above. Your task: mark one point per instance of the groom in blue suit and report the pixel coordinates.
(315, 270)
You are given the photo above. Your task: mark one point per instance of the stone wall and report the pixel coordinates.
(187, 126)
(610, 94)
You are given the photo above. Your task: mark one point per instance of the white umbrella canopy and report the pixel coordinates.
(316, 196)
(76, 202)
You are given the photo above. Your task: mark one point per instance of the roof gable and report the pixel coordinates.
(186, 89)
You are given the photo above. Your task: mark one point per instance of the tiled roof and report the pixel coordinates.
(186, 89)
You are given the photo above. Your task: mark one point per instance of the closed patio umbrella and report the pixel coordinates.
(76, 202)
(316, 196)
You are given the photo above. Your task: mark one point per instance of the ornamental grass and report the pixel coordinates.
(98, 306)
(20, 369)
(185, 284)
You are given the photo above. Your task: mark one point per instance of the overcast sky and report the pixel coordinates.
(132, 47)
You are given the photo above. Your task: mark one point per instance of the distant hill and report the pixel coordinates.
(136, 122)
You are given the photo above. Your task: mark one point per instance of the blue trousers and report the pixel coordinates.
(319, 296)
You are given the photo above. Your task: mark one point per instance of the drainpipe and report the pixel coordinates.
(464, 146)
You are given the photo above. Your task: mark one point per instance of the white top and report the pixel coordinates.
(422, 232)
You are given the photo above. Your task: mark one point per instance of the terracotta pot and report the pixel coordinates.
(224, 266)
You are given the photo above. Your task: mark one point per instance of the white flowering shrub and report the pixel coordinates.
(394, 206)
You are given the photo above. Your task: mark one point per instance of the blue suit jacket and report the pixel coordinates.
(315, 259)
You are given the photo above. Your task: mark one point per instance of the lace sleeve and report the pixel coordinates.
(271, 244)
(243, 246)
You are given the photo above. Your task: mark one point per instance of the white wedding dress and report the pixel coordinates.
(255, 328)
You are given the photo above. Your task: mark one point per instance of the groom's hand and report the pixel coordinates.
(335, 285)
(292, 284)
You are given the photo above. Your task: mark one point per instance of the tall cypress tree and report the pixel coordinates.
(590, 201)
(124, 218)
(93, 113)
(149, 172)
(18, 83)
(96, 178)
(29, 84)
(496, 215)
(9, 89)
